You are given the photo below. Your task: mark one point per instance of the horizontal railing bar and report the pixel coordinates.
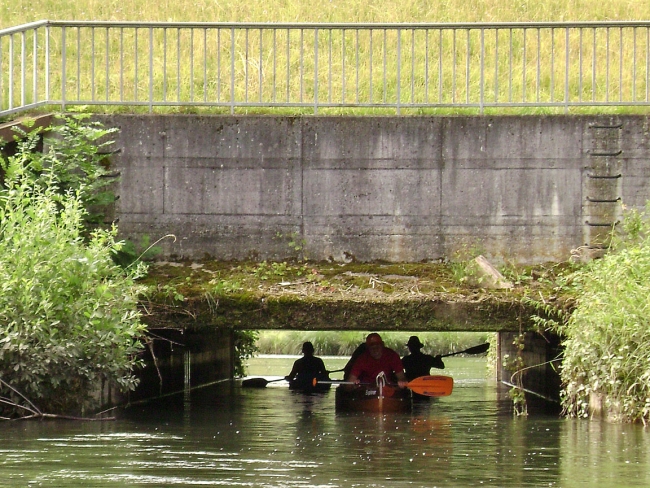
(344, 25)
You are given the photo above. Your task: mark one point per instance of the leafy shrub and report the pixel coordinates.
(68, 315)
(608, 334)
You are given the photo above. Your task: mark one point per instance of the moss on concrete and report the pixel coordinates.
(333, 296)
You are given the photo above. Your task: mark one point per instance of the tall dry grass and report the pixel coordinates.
(17, 12)
(440, 67)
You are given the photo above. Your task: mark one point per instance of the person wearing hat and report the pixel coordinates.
(417, 363)
(306, 369)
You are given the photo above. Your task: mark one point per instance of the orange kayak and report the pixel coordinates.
(368, 399)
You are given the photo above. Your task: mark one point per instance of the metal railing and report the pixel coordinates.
(324, 67)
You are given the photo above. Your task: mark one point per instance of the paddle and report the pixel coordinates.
(258, 382)
(480, 349)
(262, 382)
(433, 386)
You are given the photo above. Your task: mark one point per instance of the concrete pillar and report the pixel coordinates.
(539, 372)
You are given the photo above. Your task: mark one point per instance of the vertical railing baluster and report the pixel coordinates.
(330, 65)
(288, 83)
(634, 64)
(399, 70)
(524, 63)
(539, 52)
(620, 64)
(412, 66)
(566, 69)
(219, 65)
(343, 66)
(440, 61)
(135, 62)
(151, 48)
(496, 65)
(607, 66)
(78, 64)
(356, 53)
(315, 71)
(385, 68)
(468, 54)
(593, 68)
(164, 65)
(63, 68)
(301, 64)
(205, 64)
(580, 65)
(246, 66)
(370, 95)
(232, 70)
(275, 60)
(426, 66)
(178, 64)
(261, 65)
(552, 87)
(482, 68)
(510, 69)
(106, 62)
(23, 74)
(453, 67)
(35, 97)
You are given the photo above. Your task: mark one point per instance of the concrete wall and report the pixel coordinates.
(400, 189)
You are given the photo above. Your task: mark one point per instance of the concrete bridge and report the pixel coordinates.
(393, 189)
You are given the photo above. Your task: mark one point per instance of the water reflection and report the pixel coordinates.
(272, 437)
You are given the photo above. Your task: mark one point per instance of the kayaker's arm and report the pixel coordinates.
(401, 379)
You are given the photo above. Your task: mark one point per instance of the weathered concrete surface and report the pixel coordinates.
(399, 189)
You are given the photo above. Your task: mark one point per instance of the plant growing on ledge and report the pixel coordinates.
(68, 316)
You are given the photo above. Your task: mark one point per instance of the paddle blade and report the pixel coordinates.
(254, 383)
(480, 349)
(433, 386)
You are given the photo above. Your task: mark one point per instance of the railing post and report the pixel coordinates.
(63, 68)
(399, 70)
(315, 71)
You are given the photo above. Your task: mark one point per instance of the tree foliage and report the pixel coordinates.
(607, 353)
(68, 315)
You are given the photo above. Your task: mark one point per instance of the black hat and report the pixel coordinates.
(414, 341)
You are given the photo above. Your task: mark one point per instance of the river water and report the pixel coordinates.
(226, 435)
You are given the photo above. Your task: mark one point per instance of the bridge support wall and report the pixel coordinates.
(399, 189)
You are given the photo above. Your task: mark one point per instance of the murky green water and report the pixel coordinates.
(226, 435)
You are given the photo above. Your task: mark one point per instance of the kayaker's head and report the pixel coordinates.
(374, 345)
(414, 344)
(308, 349)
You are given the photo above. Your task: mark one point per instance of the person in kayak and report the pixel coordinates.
(377, 359)
(417, 363)
(306, 369)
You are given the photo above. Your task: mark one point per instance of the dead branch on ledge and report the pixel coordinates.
(35, 413)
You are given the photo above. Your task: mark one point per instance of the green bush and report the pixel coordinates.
(607, 353)
(68, 314)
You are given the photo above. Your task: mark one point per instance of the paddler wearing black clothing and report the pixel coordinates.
(417, 363)
(306, 369)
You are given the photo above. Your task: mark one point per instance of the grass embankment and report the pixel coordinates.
(22, 11)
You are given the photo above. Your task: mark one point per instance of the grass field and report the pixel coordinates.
(440, 69)
(17, 12)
